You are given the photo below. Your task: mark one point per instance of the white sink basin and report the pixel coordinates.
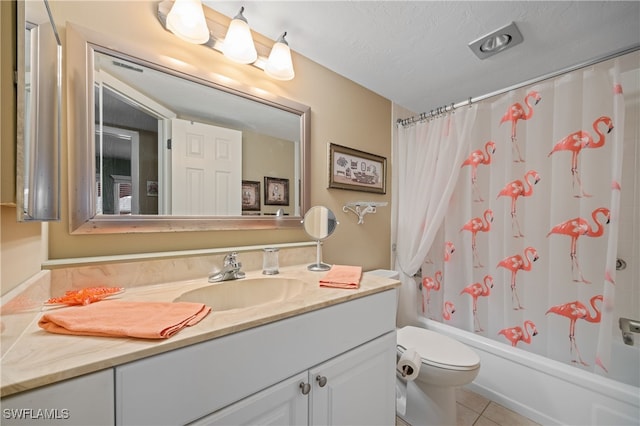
(244, 293)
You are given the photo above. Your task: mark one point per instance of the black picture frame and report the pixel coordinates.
(250, 195)
(276, 191)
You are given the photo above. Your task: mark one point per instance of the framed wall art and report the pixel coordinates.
(356, 170)
(250, 195)
(152, 188)
(276, 191)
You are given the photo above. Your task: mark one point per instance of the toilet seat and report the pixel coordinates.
(436, 349)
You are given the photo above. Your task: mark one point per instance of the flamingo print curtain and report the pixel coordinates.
(428, 156)
(526, 251)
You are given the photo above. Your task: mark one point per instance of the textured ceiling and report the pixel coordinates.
(415, 53)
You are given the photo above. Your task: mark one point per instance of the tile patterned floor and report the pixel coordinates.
(476, 410)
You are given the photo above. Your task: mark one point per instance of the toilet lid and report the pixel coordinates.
(436, 349)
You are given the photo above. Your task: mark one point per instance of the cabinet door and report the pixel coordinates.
(356, 388)
(85, 400)
(281, 404)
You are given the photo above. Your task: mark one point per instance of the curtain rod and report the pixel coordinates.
(450, 107)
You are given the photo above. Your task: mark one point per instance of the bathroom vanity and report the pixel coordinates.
(324, 356)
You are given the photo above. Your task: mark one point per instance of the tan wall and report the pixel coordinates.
(342, 112)
(21, 244)
(22, 249)
(8, 102)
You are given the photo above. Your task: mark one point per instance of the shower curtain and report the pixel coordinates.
(514, 236)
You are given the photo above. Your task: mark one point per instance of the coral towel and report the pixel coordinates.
(118, 318)
(342, 276)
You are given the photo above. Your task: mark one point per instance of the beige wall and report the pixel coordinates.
(21, 244)
(8, 102)
(342, 112)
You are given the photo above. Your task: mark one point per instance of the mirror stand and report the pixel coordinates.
(319, 223)
(319, 266)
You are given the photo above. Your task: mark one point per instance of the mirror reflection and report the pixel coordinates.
(158, 144)
(320, 222)
(39, 54)
(170, 146)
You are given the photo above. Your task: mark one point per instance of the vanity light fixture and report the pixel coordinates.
(361, 208)
(496, 41)
(234, 40)
(186, 20)
(238, 44)
(279, 65)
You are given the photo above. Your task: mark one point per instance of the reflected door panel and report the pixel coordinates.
(206, 169)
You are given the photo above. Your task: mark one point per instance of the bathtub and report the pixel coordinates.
(548, 391)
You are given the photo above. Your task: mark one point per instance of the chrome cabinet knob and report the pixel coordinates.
(322, 380)
(305, 387)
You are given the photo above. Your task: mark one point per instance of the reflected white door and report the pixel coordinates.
(206, 169)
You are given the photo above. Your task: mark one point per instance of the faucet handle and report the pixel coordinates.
(231, 259)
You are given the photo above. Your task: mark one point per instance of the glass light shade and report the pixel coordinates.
(279, 65)
(186, 20)
(238, 44)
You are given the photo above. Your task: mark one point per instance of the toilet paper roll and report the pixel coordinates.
(409, 364)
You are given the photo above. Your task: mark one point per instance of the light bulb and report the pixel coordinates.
(238, 44)
(279, 64)
(186, 20)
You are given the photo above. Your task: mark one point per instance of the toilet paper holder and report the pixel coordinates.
(407, 370)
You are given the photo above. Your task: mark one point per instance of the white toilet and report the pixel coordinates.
(445, 365)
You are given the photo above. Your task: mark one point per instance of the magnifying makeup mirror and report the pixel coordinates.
(319, 223)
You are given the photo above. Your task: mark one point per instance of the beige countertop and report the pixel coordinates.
(32, 357)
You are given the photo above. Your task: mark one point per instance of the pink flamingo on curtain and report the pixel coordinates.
(449, 248)
(515, 189)
(516, 263)
(576, 227)
(476, 290)
(575, 311)
(520, 334)
(517, 112)
(447, 310)
(476, 158)
(429, 284)
(575, 142)
(474, 226)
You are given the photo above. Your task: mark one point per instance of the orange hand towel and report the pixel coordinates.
(117, 318)
(342, 276)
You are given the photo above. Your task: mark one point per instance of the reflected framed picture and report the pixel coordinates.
(356, 170)
(152, 188)
(250, 195)
(276, 191)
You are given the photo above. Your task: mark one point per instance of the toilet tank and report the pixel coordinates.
(386, 273)
(392, 275)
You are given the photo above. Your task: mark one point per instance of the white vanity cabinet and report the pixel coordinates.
(84, 400)
(355, 388)
(254, 376)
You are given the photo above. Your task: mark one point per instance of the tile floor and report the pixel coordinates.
(476, 410)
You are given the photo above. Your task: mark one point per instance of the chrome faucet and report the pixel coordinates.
(628, 327)
(230, 269)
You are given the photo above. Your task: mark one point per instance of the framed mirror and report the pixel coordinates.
(158, 146)
(39, 94)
